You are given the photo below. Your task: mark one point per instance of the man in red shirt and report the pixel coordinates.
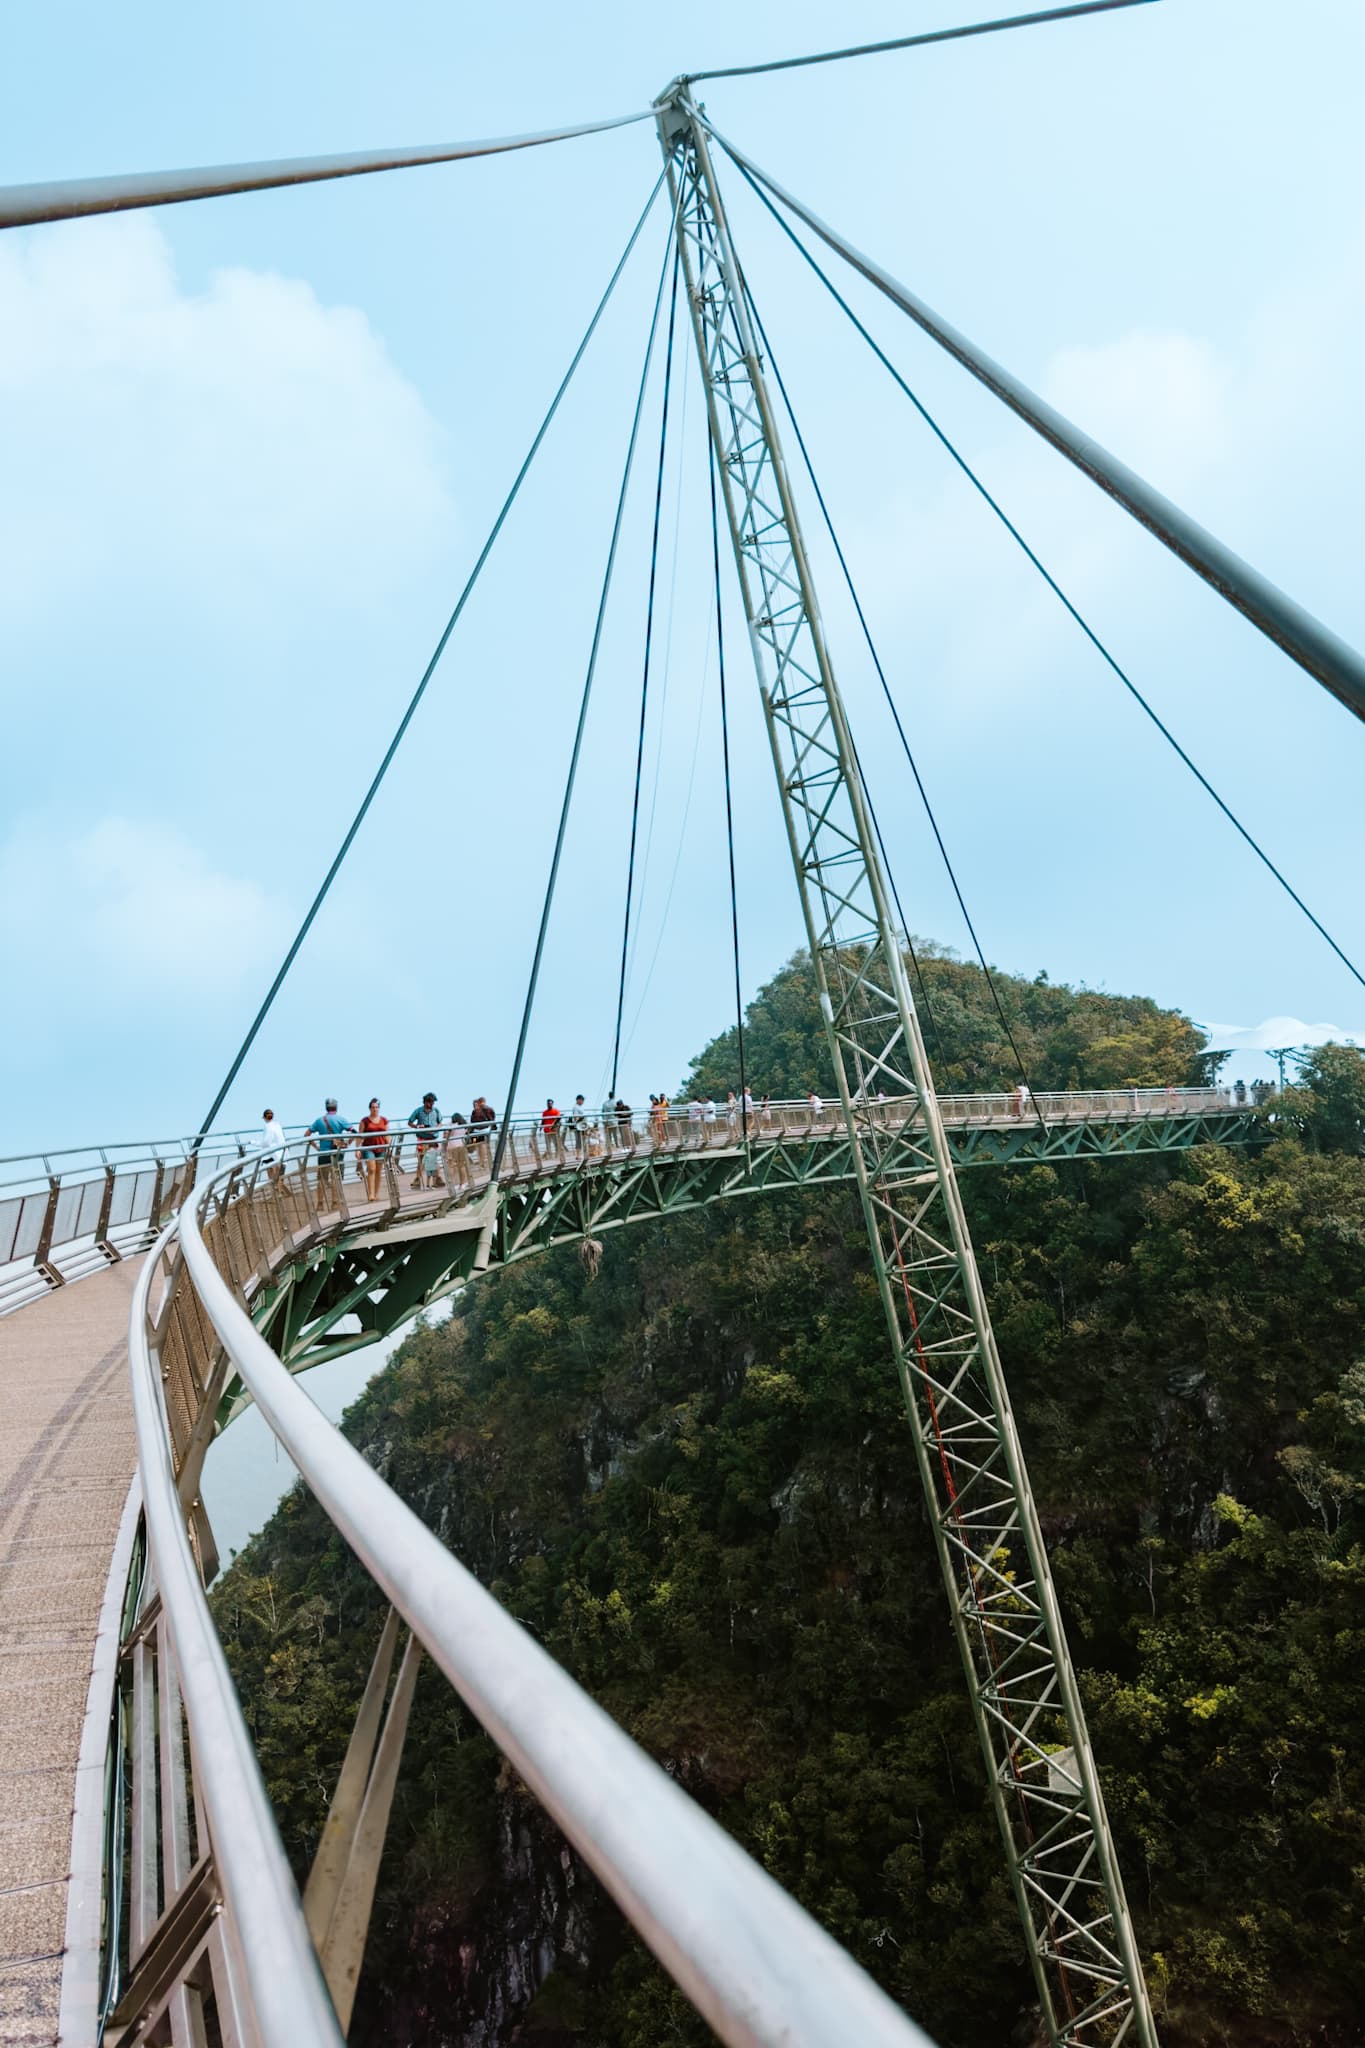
(550, 1121)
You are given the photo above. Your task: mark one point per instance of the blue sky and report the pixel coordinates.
(252, 446)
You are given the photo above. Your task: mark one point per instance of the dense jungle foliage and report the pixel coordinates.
(691, 1479)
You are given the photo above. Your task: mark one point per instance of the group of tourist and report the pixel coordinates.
(1258, 1093)
(462, 1143)
(458, 1148)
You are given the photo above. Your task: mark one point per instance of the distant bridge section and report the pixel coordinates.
(66, 1215)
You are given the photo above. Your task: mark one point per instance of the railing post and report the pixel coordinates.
(158, 1187)
(102, 1243)
(42, 1256)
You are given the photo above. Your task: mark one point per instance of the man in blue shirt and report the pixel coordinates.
(330, 1130)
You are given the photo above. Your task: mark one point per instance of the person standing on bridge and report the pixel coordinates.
(550, 1121)
(483, 1119)
(815, 1104)
(329, 1131)
(578, 1125)
(425, 1120)
(373, 1144)
(270, 1144)
(457, 1154)
(1021, 1098)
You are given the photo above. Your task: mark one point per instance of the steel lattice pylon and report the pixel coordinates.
(1005, 1614)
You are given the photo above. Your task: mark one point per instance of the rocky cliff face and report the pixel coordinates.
(487, 1979)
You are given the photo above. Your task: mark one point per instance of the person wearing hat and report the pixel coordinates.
(425, 1120)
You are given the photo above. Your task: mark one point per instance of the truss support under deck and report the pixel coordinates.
(1005, 1614)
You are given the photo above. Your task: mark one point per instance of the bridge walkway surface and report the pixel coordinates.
(67, 1457)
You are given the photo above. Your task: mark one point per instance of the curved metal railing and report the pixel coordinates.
(69, 1213)
(214, 1914)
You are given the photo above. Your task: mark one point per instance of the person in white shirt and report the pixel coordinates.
(270, 1143)
(815, 1106)
(694, 1120)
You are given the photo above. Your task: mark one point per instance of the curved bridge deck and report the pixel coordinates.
(326, 1269)
(67, 1456)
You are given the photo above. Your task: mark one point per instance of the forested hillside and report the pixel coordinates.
(691, 1478)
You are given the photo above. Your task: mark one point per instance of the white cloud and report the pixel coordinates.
(240, 439)
(127, 915)
(1161, 402)
(1276, 1032)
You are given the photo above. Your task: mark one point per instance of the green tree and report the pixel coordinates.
(691, 1479)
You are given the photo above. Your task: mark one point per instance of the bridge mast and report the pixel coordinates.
(1004, 1607)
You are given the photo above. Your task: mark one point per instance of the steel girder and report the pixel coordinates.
(1005, 1613)
(382, 1276)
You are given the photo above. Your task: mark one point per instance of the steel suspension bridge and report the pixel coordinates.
(179, 1917)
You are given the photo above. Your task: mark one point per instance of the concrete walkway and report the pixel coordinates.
(66, 1459)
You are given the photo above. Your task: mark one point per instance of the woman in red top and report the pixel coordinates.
(373, 1144)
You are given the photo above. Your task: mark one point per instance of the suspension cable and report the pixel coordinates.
(644, 684)
(938, 35)
(891, 705)
(406, 720)
(915, 967)
(729, 806)
(681, 846)
(1046, 574)
(571, 777)
(667, 674)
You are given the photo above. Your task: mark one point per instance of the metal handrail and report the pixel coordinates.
(757, 1967)
(150, 1152)
(144, 1151)
(288, 1994)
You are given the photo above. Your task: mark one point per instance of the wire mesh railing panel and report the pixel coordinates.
(20, 1221)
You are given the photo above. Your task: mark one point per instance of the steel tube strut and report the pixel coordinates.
(26, 205)
(1005, 1614)
(1331, 660)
